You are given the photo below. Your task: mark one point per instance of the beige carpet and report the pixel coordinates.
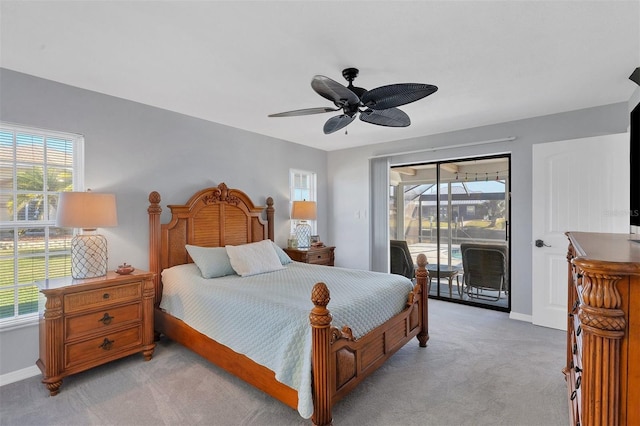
(479, 368)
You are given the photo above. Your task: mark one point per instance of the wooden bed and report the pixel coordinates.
(219, 216)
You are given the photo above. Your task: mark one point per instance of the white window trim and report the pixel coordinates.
(313, 196)
(30, 319)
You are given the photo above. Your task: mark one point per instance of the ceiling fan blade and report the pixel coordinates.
(394, 95)
(336, 123)
(306, 111)
(390, 117)
(334, 91)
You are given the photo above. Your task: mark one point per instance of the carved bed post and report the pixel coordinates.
(270, 214)
(154, 211)
(422, 278)
(320, 319)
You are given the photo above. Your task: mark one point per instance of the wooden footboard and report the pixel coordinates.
(340, 362)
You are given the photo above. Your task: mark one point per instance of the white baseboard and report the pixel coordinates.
(520, 317)
(16, 376)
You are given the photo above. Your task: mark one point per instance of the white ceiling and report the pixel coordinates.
(235, 62)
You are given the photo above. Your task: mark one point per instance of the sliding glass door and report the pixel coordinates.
(457, 214)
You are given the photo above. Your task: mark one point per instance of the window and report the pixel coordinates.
(35, 165)
(302, 186)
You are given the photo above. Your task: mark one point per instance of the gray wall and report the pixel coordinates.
(350, 189)
(132, 149)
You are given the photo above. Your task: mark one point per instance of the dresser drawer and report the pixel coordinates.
(103, 346)
(102, 320)
(87, 299)
(574, 398)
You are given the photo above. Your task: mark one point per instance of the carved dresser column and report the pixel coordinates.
(602, 327)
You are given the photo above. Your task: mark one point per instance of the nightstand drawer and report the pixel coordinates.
(316, 255)
(102, 320)
(320, 257)
(85, 299)
(102, 346)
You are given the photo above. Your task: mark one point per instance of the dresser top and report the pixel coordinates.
(607, 251)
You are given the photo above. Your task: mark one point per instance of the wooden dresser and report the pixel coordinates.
(316, 255)
(93, 321)
(603, 329)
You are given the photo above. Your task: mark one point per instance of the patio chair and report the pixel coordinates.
(484, 269)
(401, 262)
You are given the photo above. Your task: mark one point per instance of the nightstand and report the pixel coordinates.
(92, 321)
(315, 255)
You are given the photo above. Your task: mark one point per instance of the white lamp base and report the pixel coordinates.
(303, 233)
(88, 256)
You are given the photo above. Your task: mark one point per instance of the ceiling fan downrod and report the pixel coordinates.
(350, 74)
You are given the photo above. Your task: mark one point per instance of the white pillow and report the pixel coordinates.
(213, 262)
(254, 258)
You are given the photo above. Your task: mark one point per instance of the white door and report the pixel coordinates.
(578, 185)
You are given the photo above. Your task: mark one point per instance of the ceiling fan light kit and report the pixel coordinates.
(376, 106)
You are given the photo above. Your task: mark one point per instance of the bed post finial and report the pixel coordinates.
(320, 319)
(270, 215)
(422, 278)
(154, 211)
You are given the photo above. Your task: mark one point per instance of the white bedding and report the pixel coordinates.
(278, 334)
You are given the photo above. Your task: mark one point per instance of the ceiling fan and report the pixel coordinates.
(376, 106)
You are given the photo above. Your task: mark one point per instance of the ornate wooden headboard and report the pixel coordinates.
(213, 217)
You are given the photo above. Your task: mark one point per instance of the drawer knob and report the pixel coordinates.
(106, 319)
(106, 344)
(105, 296)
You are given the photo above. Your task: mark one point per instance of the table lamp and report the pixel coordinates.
(303, 211)
(88, 211)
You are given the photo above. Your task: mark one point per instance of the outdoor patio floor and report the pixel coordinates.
(441, 290)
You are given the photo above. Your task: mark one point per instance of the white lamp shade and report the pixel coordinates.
(86, 210)
(303, 210)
